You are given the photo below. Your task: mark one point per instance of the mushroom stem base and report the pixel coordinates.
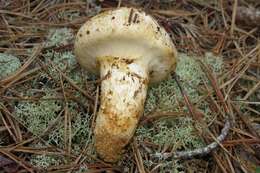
(123, 93)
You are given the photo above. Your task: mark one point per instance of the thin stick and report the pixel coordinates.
(67, 120)
(234, 13)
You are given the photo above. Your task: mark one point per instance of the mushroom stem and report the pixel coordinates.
(123, 93)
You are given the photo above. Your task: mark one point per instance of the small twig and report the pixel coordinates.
(119, 3)
(186, 99)
(67, 120)
(220, 164)
(200, 151)
(95, 109)
(16, 159)
(160, 115)
(8, 128)
(15, 14)
(13, 124)
(234, 13)
(254, 88)
(138, 157)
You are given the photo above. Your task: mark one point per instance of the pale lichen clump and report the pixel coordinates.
(215, 62)
(179, 132)
(44, 161)
(59, 37)
(41, 115)
(64, 60)
(80, 131)
(8, 64)
(36, 116)
(44, 115)
(60, 63)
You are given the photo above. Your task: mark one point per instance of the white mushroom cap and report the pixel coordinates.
(127, 33)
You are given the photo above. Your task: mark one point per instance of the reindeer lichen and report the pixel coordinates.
(179, 133)
(36, 116)
(8, 64)
(44, 161)
(59, 37)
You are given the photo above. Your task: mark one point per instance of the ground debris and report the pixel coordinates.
(218, 42)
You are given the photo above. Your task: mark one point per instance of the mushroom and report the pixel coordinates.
(129, 50)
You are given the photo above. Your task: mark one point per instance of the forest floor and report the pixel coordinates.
(48, 103)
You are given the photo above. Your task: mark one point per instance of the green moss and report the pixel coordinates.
(38, 115)
(80, 76)
(8, 64)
